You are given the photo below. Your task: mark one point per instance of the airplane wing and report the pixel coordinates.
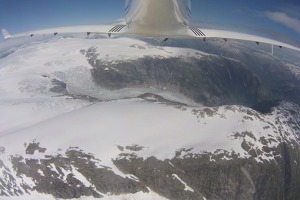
(213, 33)
(122, 29)
(88, 29)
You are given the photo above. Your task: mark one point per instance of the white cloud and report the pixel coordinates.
(284, 19)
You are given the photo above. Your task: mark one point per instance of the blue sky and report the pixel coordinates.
(273, 18)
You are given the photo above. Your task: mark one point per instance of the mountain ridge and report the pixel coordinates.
(123, 118)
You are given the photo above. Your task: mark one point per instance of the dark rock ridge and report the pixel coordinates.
(235, 76)
(235, 178)
(205, 174)
(211, 80)
(150, 97)
(59, 87)
(58, 176)
(265, 106)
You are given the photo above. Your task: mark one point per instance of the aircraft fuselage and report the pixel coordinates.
(157, 17)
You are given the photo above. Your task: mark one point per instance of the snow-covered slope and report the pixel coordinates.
(28, 72)
(59, 139)
(137, 129)
(160, 129)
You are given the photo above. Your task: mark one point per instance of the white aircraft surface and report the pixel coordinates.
(156, 18)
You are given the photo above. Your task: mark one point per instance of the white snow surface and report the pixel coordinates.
(25, 91)
(137, 196)
(187, 188)
(159, 128)
(29, 111)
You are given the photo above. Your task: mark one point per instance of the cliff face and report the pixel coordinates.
(208, 79)
(219, 179)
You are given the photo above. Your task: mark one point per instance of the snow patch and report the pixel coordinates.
(187, 188)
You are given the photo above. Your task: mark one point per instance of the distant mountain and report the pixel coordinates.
(125, 118)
